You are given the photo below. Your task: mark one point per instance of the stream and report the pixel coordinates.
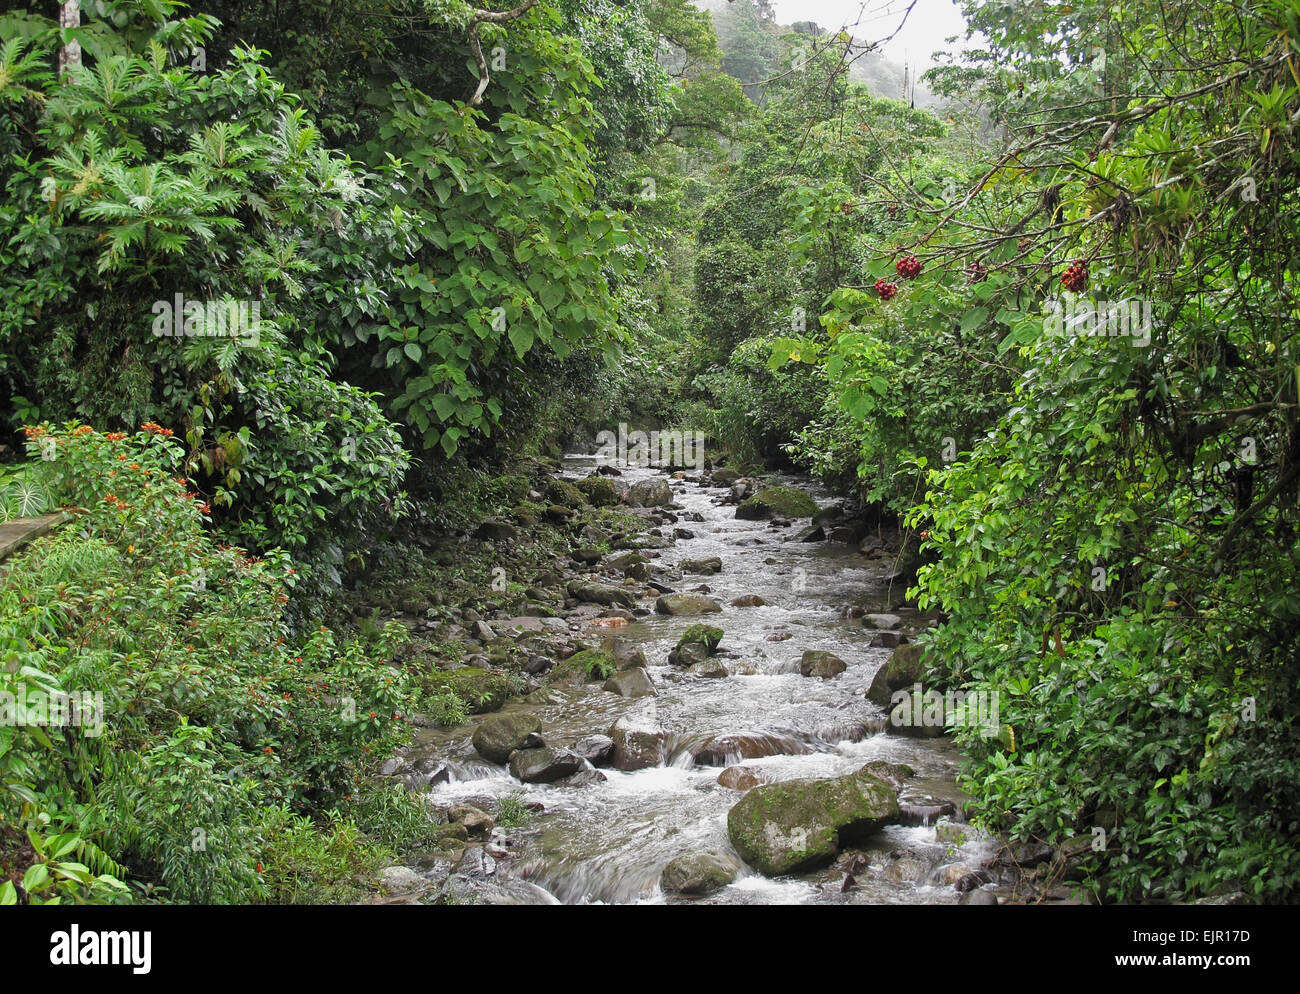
(609, 842)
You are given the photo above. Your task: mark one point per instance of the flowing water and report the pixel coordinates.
(608, 842)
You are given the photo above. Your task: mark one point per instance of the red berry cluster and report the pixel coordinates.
(886, 289)
(1075, 278)
(976, 273)
(908, 267)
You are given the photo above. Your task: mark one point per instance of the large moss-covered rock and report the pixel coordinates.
(481, 690)
(600, 491)
(800, 824)
(904, 667)
(788, 502)
(502, 734)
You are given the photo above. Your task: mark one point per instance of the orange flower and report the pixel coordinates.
(204, 508)
(35, 432)
(268, 750)
(82, 430)
(115, 436)
(154, 428)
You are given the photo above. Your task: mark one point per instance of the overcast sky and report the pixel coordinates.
(925, 30)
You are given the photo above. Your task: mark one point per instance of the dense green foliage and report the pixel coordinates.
(1108, 510)
(449, 242)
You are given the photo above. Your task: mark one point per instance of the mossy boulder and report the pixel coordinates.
(564, 494)
(789, 502)
(905, 667)
(800, 824)
(600, 491)
(584, 667)
(706, 635)
(481, 690)
(497, 737)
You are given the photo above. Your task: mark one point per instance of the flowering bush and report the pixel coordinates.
(211, 711)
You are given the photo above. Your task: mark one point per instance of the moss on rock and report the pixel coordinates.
(600, 491)
(787, 501)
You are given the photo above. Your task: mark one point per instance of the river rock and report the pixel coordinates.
(776, 501)
(690, 654)
(917, 715)
(800, 824)
(584, 778)
(725, 477)
(637, 746)
(626, 655)
(821, 664)
(979, 897)
(544, 765)
(741, 778)
(495, 530)
(475, 820)
(601, 593)
(705, 567)
(400, 880)
(631, 683)
(711, 669)
(649, 493)
(696, 873)
(597, 750)
(892, 773)
(538, 664)
(722, 750)
(686, 604)
(923, 811)
(748, 600)
(884, 621)
(497, 737)
(907, 870)
(903, 668)
(707, 635)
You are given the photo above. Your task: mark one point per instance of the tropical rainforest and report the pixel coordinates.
(302, 303)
